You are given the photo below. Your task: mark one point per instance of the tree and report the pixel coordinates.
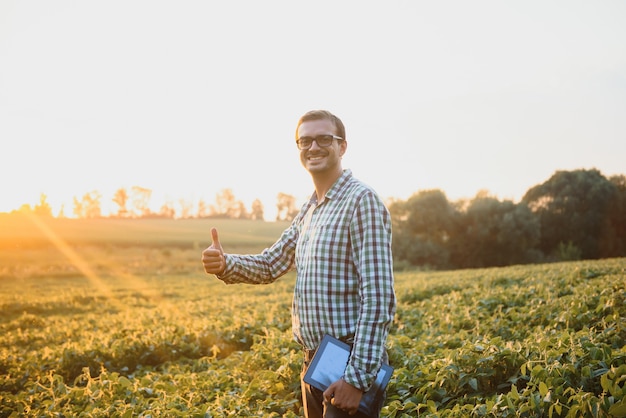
(239, 211)
(61, 214)
(494, 233)
(25, 208)
(120, 198)
(43, 209)
(78, 207)
(89, 206)
(140, 197)
(256, 212)
(286, 205)
(572, 206)
(203, 209)
(186, 209)
(167, 210)
(225, 204)
(422, 228)
(613, 237)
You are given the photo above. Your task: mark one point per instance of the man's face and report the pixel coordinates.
(319, 159)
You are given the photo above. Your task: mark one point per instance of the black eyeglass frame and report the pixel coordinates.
(326, 140)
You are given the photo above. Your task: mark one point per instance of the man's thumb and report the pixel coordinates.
(216, 241)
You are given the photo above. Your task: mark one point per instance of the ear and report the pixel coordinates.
(343, 146)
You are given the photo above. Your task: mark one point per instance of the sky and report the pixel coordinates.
(189, 98)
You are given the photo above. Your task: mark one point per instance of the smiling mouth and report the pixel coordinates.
(315, 157)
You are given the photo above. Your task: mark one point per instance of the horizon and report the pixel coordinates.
(65, 209)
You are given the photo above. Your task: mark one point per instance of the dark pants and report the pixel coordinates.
(316, 407)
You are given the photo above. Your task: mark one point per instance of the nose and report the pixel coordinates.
(314, 145)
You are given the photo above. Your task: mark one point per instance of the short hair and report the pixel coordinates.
(319, 115)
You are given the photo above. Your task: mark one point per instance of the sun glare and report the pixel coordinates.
(134, 282)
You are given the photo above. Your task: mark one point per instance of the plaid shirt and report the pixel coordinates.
(344, 284)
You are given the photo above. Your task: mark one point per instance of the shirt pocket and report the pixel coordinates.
(315, 244)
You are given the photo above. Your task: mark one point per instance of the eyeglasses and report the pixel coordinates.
(322, 140)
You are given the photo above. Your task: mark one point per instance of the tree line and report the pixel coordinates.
(577, 214)
(134, 203)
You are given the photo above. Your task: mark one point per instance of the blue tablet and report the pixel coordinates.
(328, 366)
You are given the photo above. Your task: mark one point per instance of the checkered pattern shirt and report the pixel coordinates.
(344, 286)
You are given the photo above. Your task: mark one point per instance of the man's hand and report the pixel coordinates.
(344, 396)
(213, 257)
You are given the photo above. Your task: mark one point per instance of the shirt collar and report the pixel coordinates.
(336, 188)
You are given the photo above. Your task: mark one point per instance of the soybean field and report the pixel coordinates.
(118, 319)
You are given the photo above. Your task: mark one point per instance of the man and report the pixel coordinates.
(340, 246)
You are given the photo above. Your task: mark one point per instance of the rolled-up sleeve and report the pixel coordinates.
(262, 268)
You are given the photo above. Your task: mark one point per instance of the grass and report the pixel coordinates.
(26, 231)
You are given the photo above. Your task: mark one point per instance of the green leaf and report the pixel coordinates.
(618, 410)
(124, 382)
(473, 383)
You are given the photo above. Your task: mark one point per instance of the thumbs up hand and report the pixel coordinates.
(213, 257)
